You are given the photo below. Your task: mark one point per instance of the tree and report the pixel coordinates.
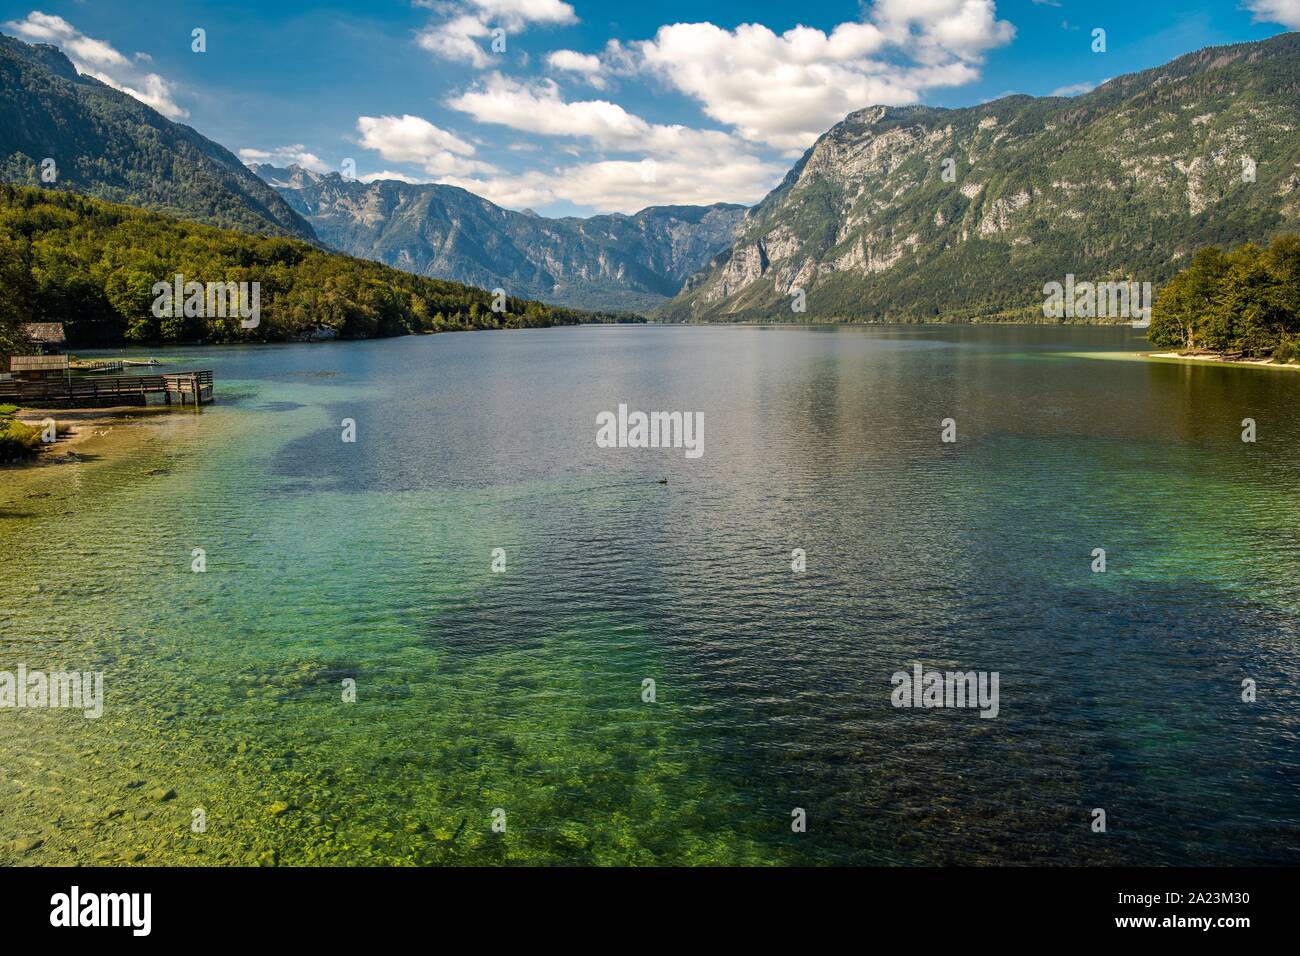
(17, 296)
(1246, 300)
(1185, 302)
(92, 265)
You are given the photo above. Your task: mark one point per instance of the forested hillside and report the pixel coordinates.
(93, 265)
(910, 213)
(105, 143)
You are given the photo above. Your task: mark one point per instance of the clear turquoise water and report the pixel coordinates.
(523, 690)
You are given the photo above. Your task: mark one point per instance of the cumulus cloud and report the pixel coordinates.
(462, 24)
(1285, 12)
(672, 163)
(786, 89)
(101, 60)
(513, 12)
(937, 30)
(1074, 89)
(457, 39)
(296, 155)
(540, 108)
(630, 185)
(42, 27)
(413, 139)
(389, 174)
(588, 65)
(95, 51)
(771, 90)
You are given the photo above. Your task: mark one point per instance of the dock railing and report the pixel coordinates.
(98, 391)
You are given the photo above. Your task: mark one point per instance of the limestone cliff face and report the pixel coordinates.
(915, 212)
(610, 262)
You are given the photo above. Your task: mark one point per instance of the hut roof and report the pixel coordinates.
(38, 363)
(45, 333)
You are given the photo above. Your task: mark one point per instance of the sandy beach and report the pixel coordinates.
(1175, 357)
(1217, 360)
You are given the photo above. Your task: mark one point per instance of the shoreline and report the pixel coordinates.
(91, 433)
(115, 351)
(1218, 360)
(1173, 358)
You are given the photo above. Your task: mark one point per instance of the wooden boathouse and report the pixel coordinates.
(49, 337)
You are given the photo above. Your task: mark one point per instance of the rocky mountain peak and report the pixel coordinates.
(917, 212)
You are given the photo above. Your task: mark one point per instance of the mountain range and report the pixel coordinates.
(918, 212)
(610, 262)
(896, 213)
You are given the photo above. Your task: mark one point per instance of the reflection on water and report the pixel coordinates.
(523, 691)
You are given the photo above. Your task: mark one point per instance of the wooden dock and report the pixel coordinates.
(100, 391)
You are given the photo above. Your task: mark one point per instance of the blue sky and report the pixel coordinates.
(599, 106)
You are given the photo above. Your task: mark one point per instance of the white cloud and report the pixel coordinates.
(619, 59)
(389, 174)
(673, 164)
(456, 36)
(150, 89)
(629, 186)
(42, 27)
(527, 11)
(295, 155)
(936, 30)
(412, 139)
(455, 40)
(785, 90)
(539, 108)
(1074, 89)
(94, 51)
(1285, 12)
(102, 61)
(778, 91)
(588, 65)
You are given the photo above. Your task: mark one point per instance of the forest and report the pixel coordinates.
(92, 265)
(1244, 302)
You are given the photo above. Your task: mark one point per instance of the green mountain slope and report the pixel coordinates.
(93, 265)
(603, 262)
(1125, 182)
(107, 144)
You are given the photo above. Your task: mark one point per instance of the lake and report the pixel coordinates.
(521, 696)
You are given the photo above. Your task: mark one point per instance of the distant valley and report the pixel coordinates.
(608, 262)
